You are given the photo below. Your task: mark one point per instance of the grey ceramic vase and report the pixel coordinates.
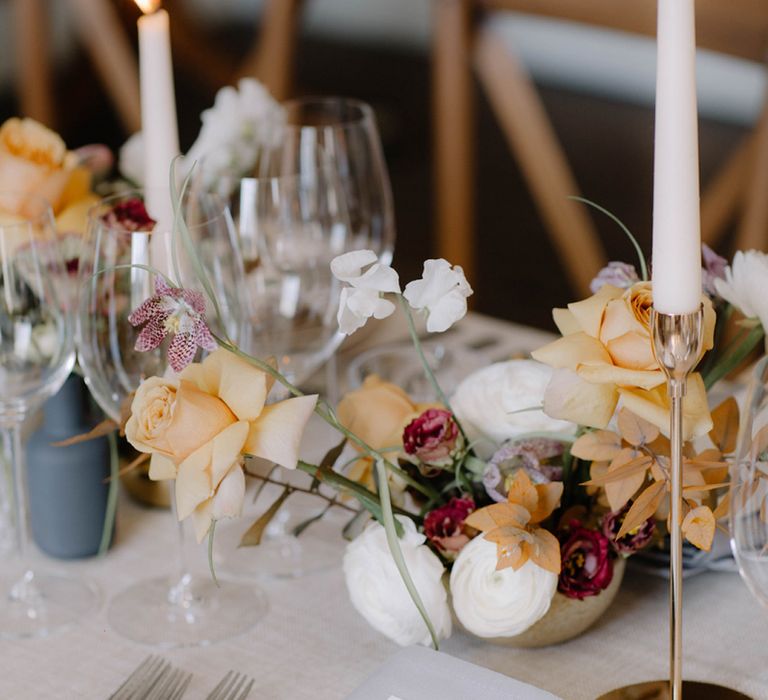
(67, 489)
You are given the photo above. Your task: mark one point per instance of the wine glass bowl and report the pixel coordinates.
(749, 488)
(36, 356)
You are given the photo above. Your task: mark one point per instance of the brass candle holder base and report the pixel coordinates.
(659, 690)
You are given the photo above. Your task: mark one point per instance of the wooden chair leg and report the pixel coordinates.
(753, 229)
(272, 58)
(454, 136)
(104, 37)
(724, 194)
(531, 137)
(33, 60)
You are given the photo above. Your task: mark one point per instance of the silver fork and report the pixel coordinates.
(234, 686)
(172, 687)
(144, 677)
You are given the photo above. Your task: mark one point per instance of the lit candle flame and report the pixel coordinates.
(148, 6)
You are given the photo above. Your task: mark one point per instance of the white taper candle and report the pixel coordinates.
(676, 227)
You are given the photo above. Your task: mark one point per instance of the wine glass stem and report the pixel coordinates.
(15, 457)
(181, 558)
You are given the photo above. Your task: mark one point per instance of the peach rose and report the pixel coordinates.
(377, 413)
(34, 162)
(198, 427)
(606, 353)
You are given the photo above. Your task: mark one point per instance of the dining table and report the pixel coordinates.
(313, 645)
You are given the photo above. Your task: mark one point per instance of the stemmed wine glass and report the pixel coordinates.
(116, 276)
(749, 488)
(37, 354)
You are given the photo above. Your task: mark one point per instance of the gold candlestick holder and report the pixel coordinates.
(677, 344)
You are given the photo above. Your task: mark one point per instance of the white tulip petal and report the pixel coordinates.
(228, 501)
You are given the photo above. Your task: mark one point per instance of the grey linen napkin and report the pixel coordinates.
(418, 673)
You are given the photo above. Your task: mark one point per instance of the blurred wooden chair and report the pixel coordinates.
(100, 31)
(462, 39)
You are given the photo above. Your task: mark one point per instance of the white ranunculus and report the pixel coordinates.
(378, 593)
(746, 284)
(492, 603)
(442, 291)
(368, 279)
(487, 401)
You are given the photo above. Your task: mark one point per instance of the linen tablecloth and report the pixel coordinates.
(312, 645)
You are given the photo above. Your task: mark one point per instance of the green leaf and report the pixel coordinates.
(394, 548)
(329, 460)
(255, 532)
(114, 482)
(620, 223)
(740, 348)
(302, 526)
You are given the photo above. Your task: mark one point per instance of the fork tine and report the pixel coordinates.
(242, 679)
(184, 683)
(215, 693)
(158, 678)
(136, 672)
(168, 686)
(246, 690)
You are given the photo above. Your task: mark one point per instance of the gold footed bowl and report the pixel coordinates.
(567, 617)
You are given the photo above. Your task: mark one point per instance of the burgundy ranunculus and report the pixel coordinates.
(443, 526)
(587, 565)
(431, 437)
(130, 215)
(632, 541)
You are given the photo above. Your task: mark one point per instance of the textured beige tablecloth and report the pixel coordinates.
(313, 646)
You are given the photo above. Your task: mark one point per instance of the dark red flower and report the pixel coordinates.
(632, 541)
(587, 567)
(130, 215)
(444, 526)
(431, 437)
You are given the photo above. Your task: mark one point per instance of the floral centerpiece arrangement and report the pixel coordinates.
(533, 481)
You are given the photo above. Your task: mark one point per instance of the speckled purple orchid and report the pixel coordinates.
(714, 268)
(619, 274)
(527, 454)
(177, 311)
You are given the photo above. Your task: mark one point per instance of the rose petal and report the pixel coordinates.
(161, 468)
(589, 312)
(609, 374)
(276, 435)
(569, 397)
(565, 321)
(227, 447)
(241, 385)
(193, 481)
(228, 501)
(201, 519)
(572, 350)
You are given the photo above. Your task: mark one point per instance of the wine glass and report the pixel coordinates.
(116, 264)
(37, 354)
(749, 488)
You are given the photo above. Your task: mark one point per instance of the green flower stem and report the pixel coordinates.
(397, 554)
(114, 481)
(417, 344)
(323, 410)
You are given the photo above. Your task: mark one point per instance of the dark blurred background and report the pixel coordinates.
(597, 89)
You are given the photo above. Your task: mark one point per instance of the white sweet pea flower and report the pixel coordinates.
(378, 593)
(746, 284)
(442, 292)
(491, 603)
(368, 279)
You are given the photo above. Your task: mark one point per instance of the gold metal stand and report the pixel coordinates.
(677, 344)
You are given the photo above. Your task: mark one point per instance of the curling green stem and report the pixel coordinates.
(114, 481)
(211, 531)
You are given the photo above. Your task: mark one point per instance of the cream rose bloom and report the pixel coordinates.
(491, 603)
(378, 593)
(198, 427)
(34, 162)
(487, 404)
(606, 354)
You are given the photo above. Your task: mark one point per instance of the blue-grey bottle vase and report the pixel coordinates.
(67, 485)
